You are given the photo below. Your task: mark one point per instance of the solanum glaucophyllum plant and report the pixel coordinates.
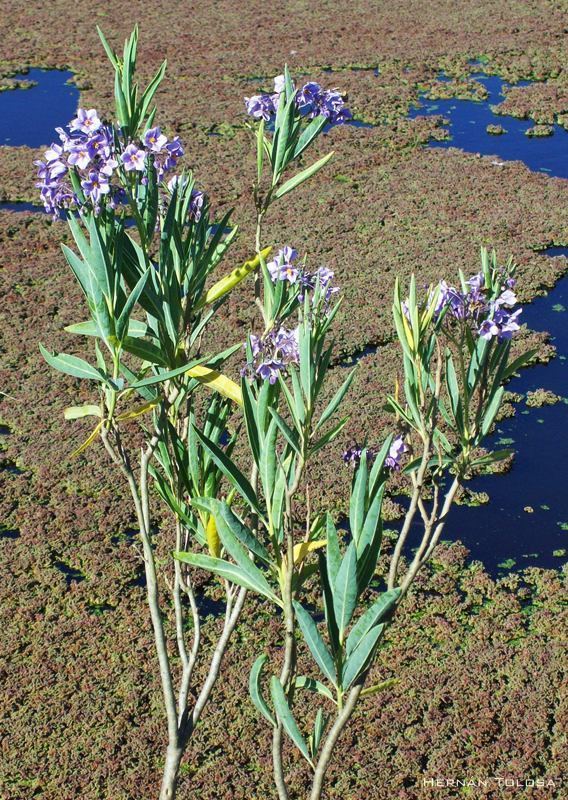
(146, 247)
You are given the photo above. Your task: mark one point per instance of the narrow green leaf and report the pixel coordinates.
(317, 646)
(336, 400)
(312, 685)
(300, 177)
(72, 365)
(255, 690)
(233, 532)
(227, 570)
(362, 656)
(372, 616)
(232, 473)
(345, 590)
(285, 716)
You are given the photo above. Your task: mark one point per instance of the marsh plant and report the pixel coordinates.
(147, 250)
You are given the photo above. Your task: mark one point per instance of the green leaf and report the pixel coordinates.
(300, 177)
(232, 473)
(72, 365)
(333, 554)
(309, 134)
(372, 616)
(255, 690)
(317, 646)
(233, 532)
(358, 500)
(312, 685)
(345, 590)
(136, 329)
(166, 376)
(362, 656)
(285, 716)
(227, 570)
(327, 592)
(491, 411)
(122, 322)
(336, 400)
(329, 436)
(290, 435)
(144, 350)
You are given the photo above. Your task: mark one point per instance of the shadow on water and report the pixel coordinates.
(30, 116)
(470, 118)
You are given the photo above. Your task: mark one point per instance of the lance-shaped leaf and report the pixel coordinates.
(229, 571)
(336, 400)
(232, 531)
(317, 646)
(312, 685)
(122, 322)
(231, 472)
(136, 329)
(285, 716)
(345, 590)
(372, 616)
(228, 283)
(167, 375)
(300, 177)
(72, 365)
(78, 412)
(362, 656)
(358, 500)
(309, 134)
(89, 440)
(217, 382)
(302, 549)
(379, 687)
(255, 690)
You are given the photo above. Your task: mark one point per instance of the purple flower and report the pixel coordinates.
(506, 298)
(325, 277)
(501, 324)
(352, 455)
(397, 449)
(260, 106)
(133, 158)
(272, 353)
(155, 140)
(79, 155)
(196, 204)
(317, 101)
(95, 186)
(270, 370)
(85, 121)
(282, 267)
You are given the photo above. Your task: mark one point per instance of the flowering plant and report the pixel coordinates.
(146, 247)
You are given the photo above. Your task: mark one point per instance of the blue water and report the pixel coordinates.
(468, 122)
(30, 116)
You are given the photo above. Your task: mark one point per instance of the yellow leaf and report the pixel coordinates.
(219, 383)
(78, 412)
(408, 332)
(213, 542)
(228, 283)
(302, 550)
(380, 687)
(137, 412)
(88, 441)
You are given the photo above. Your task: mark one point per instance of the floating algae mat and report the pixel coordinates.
(29, 116)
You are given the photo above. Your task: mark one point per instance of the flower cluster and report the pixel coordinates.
(398, 448)
(491, 317)
(95, 151)
(311, 100)
(271, 354)
(284, 268)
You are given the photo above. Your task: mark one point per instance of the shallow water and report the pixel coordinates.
(29, 116)
(524, 522)
(468, 122)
